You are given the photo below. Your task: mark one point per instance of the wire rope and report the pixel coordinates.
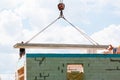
(82, 33)
(42, 30)
(62, 16)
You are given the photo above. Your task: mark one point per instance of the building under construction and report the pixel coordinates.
(87, 65)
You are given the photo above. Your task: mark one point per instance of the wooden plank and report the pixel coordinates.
(58, 46)
(21, 71)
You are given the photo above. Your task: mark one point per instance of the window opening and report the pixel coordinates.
(75, 72)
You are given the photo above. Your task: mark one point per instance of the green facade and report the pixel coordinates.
(54, 66)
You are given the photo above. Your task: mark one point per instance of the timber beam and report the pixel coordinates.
(59, 46)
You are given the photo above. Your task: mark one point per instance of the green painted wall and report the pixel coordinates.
(55, 68)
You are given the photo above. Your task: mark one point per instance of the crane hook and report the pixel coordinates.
(61, 6)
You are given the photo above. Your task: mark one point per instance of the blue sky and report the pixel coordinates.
(21, 19)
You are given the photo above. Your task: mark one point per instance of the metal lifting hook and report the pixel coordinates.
(61, 7)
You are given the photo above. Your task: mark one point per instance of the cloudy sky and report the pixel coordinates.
(21, 19)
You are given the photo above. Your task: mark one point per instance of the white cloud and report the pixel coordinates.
(109, 35)
(10, 32)
(116, 5)
(89, 5)
(7, 77)
(37, 15)
(9, 4)
(8, 65)
(10, 27)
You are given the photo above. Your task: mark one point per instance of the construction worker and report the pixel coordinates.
(109, 50)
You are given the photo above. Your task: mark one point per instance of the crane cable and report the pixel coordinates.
(42, 30)
(61, 8)
(85, 35)
(61, 1)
